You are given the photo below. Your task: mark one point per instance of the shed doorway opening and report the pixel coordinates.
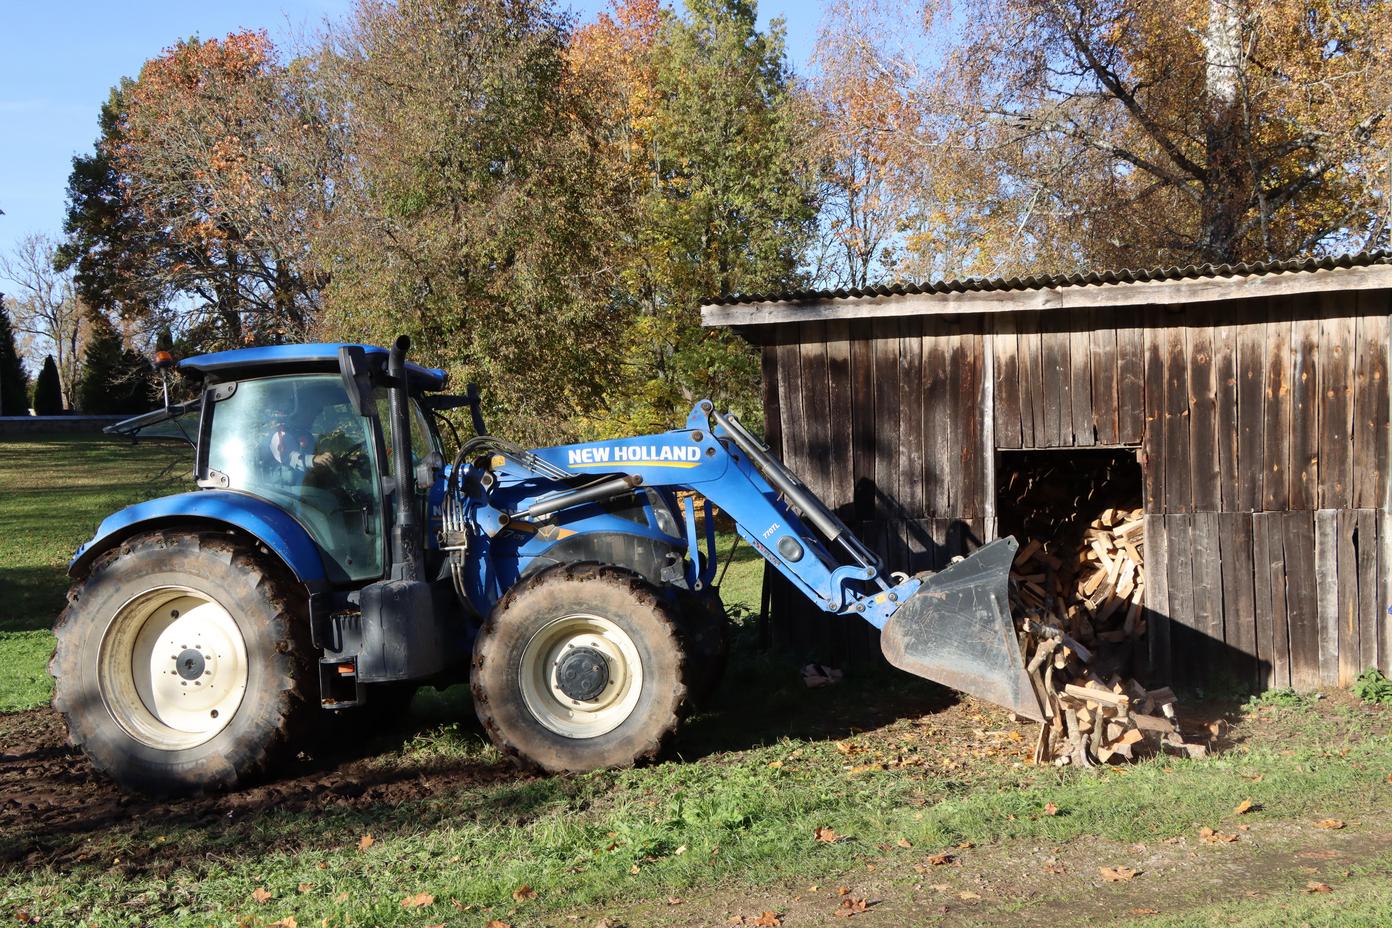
(1078, 516)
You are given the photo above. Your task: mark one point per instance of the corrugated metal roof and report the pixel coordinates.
(1054, 281)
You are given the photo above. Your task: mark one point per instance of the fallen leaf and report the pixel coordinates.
(1050, 809)
(1245, 806)
(606, 923)
(827, 835)
(634, 869)
(905, 843)
(341, 898)
(843, 890)
(305, 887)
(679, 851)
(436, 925)
(523, 893)
(941, 860)
(1315, 886)
(261, 894)
(1138, 910)
(767, 920)
(418, 901)
(850, 906)
(1117, 874)
(365, 842)
(495, 923)
(1209, 836)
(775, 764)
(1055, 868)
(968, 896)
(286, 922)
(673, 900)
(1333, 824)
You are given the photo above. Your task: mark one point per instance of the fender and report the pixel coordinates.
(267, 523)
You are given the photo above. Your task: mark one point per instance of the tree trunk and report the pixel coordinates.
(1226, 185)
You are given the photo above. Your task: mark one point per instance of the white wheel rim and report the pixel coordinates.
(172, 669)
(581, 718)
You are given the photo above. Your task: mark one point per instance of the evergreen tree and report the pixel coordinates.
(48, 392)
(14, 383)
(113, 376)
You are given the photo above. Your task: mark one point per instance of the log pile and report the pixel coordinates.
(1078, 613)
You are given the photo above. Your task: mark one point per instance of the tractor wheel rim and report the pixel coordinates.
(172, 668)
(549, 703)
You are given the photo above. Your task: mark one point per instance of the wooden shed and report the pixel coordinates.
(1244, 408)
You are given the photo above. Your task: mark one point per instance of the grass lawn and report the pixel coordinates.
(935, 815)
(53, 491)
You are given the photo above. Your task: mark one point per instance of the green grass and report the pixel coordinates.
(739, 821)
(53, 492)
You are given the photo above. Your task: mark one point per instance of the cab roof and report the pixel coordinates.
(269, 360)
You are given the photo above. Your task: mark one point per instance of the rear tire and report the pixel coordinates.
(580, 667)
(183, 663)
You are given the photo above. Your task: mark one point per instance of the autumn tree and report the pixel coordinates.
(215, 168)
(1058, 133)
(14, 383)
(471, 211)
(47, 314)
(708, 145)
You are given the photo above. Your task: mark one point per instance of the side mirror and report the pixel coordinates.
(357, 379)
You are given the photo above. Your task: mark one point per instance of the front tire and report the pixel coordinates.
(580, 667)
(182, 663)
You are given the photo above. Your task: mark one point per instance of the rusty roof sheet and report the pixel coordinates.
(1054, 281)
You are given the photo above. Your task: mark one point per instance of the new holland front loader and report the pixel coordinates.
(332, 559)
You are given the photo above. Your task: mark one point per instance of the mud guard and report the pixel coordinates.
(957, 631)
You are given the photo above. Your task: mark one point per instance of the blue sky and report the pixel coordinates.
(58, 59)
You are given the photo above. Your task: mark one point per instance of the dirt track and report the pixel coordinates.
(52, 801)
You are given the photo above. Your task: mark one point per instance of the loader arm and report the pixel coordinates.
(953, 627)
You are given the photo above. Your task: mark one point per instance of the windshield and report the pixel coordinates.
(296, 442)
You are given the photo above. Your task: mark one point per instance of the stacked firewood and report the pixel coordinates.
(1079, 612)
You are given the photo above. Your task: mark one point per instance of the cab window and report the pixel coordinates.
(295, 442)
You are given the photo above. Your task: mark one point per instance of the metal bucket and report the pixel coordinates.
(957, 631)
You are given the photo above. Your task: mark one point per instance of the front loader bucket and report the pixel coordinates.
(957, 631)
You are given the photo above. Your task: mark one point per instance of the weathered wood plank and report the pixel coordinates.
(1080, 368)
(1269, 603)
(1327, 595)
(1005, 345)
(1203, 419)
(1337, 351)
(938, 441)
(1251, 410)
(1277, 419)
(1179, 537)
(1207, 593)
(1157, 599)
(912, 492)
(1302, 606)
(1370, 405)
(768, 383)
(790, 398)
(840, 384)
(1030, 354)
(888, 435)
(1305, 411)
(815, 466)
(1103, 361)
(1239, 608)
(952, 417)
(1371, 607)
(1131, 383)
(1178, 496)
(1225, 407)
(1057, 383)
(968, 416)
(863, 424)
(1350, 637)
(1153, 438)
(1384, 591)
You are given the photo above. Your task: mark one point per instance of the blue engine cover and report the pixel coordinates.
(267, 523)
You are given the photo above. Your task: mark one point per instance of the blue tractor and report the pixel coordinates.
(333, 558)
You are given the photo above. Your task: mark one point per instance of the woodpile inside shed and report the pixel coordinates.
(1077, 595)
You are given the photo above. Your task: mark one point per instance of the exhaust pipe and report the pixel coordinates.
(406, 536)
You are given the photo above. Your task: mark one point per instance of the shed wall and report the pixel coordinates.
(1262, 428)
